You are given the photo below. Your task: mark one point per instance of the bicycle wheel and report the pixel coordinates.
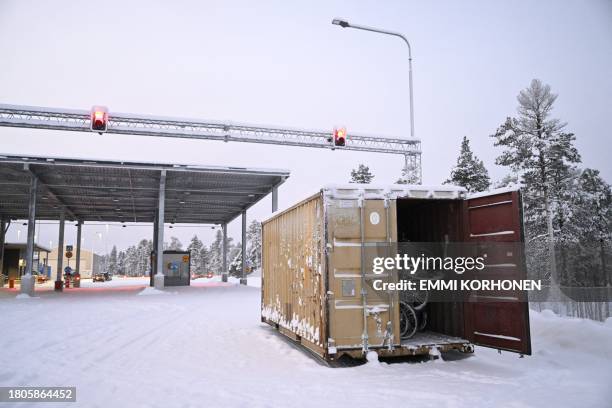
(419, 299)
(422, 320)
(408, 321)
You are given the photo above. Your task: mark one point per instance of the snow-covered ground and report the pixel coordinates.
(204, 346)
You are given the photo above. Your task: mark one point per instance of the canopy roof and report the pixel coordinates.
(100, 190)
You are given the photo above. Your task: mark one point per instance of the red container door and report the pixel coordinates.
(498, 319)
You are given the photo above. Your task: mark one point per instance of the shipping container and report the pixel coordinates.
(317, 277)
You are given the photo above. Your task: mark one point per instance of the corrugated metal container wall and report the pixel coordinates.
(293, 286)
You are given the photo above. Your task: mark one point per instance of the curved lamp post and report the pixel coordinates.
(345, 24)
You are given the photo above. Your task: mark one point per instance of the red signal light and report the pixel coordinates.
(340, 137)
(99, 119)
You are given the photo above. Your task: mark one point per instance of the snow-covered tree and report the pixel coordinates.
(361, 175)
(121, 263)
(131, 261)
(205, 259)
(469, 172)
(410, 175)
(254, 244)
(143, 257)
(235, 267)
(592, 216)
(195, 250)
(175, 244)
(537, 147)
(507, 181)
(216, 254)
(112, 261)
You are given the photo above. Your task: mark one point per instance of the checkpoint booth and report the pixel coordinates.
(176, 268)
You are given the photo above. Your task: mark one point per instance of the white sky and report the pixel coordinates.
(283, 63)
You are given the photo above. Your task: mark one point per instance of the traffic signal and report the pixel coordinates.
(340, 137)
(99, 119)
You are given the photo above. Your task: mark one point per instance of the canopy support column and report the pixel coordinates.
(224, 254)
(154, 254)
(27, 281)
(159, 274)
(59, 285)
(243, 279)
(274, 198)
(2, 239)
(77, 261)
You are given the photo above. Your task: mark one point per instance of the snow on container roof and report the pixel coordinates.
(393, 191)
(354, 191)
(508, 189)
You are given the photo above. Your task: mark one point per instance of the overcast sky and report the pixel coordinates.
(283, 63)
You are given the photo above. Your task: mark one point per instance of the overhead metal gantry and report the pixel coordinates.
(146, 125)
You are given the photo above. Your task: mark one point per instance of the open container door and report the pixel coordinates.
(493, 225)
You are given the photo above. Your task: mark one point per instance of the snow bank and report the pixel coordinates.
(552, 333)
(25, 296)
(148, 291)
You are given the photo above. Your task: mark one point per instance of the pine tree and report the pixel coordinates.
(536, 146)
(112, 261)
(216, 254)
(121, 263)
(469, 172)
(594, 216)
(131, 261)
(361, 175)
(409, 176)
(507, 181)
(235, 267)
(254, 245)
(195, 250)
(143, 251)
(205, 259)
(175, 244)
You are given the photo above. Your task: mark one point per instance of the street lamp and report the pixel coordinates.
(345, 24)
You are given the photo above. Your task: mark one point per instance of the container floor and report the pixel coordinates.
(429, 338)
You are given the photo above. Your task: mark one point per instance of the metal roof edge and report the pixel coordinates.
(74, 161)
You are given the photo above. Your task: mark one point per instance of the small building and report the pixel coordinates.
(177, 268)
(90, 263)
(14, 260)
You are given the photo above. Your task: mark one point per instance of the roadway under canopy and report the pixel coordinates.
(99, 190)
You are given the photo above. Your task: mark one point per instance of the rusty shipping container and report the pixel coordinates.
(317, 278)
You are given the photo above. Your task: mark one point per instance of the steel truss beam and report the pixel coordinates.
(122, 123)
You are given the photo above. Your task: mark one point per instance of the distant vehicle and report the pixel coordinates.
(197, 275)
(209, 275)
(40, 278)
(76, 280)
(102, 277)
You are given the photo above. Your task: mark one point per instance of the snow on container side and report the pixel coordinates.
(293, 280)
(317, 278)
